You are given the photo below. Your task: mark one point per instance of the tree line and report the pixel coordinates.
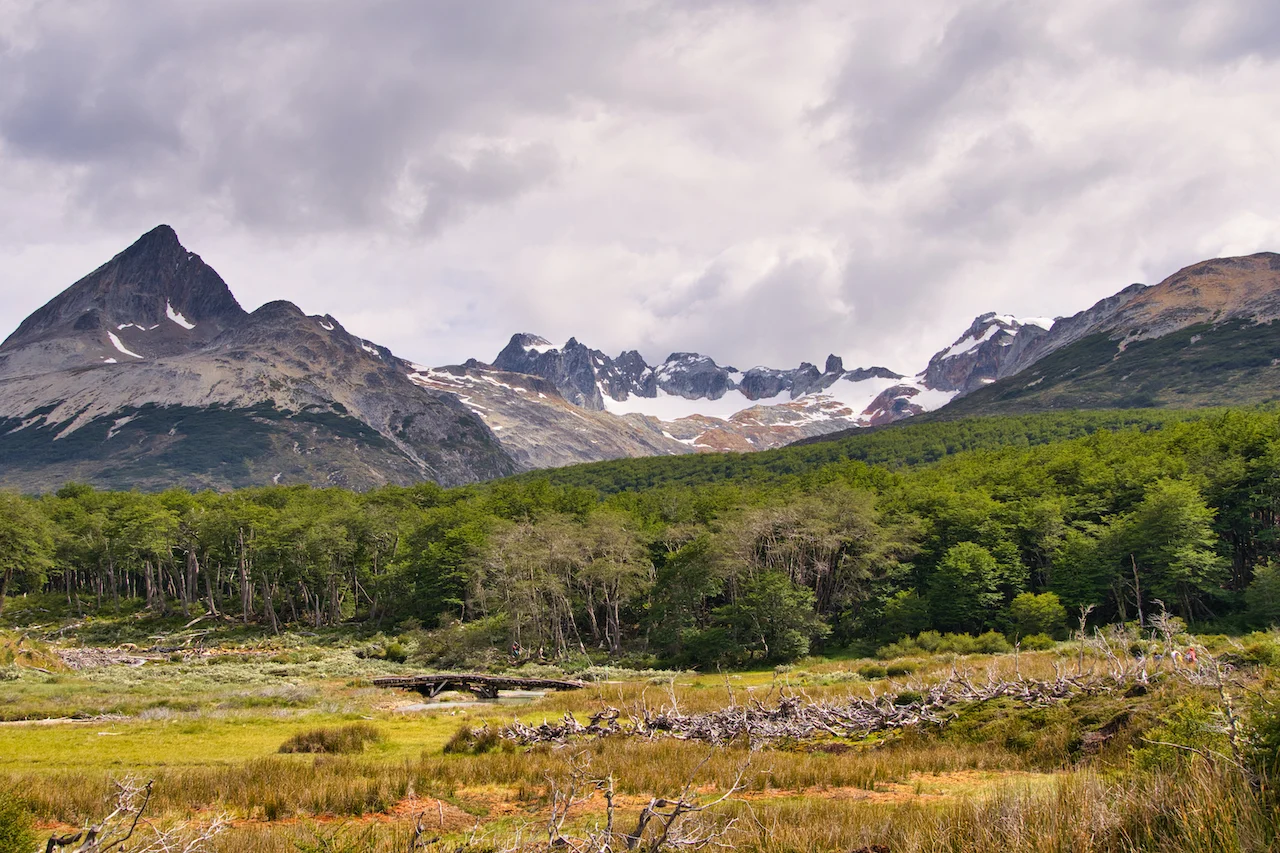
(1180, 516)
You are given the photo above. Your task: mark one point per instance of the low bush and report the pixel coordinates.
(338, 740)
(991, 643)
(16, 832)
(469, 741)
(934, 643)
(390, 650)
(1037, 643)
(480, 644)
(1190, 729)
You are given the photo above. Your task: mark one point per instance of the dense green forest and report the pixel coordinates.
(1005, 524)
(923, 439)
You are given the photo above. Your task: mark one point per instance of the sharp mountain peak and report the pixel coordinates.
(154, 299)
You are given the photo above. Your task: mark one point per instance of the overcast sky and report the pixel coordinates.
(764, 182)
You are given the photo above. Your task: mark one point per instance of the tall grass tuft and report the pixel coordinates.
(337, 740)
(1201, 811)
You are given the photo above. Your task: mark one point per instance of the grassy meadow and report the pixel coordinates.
(205, 718)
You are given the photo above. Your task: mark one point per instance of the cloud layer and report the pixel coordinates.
(762, 182)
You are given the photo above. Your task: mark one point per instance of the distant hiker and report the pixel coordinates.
(515, 650)
(1191, 655)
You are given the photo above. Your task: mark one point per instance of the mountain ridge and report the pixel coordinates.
(141, 357)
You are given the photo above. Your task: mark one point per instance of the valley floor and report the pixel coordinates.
(1149, 767)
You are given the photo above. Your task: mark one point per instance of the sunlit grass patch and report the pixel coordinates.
(333, 740)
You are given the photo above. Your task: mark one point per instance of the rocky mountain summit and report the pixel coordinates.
(691, 399)
(982, 352)
(1205, 336)
(148, 372)
(154, 299)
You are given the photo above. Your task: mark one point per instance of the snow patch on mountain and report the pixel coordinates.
(972, 343)
(115, 342)
(671, 407)
(176, 317)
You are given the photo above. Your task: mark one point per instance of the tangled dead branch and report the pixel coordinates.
(682, 822)
(799, 718)
(122, 823)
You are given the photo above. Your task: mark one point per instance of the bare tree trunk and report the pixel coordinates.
(1137, 590)
(151, 593)
(246, 592)
(208, 588)
(190, 582)
(269, 606)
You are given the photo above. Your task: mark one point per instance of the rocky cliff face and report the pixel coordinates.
(154, 299)
(978, 356)
(146, 352)
(1065, 331)
(586, 376)
(572, 368)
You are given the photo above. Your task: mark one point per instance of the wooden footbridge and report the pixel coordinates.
(483, 686)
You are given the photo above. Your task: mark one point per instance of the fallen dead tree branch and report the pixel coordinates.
(798, 718)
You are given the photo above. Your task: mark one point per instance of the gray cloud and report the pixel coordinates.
(762, 182)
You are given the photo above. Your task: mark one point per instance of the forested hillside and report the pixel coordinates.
(923, 439)
(763, 558)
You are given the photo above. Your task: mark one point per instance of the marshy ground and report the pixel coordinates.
(207, 721)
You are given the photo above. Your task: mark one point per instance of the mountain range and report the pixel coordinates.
(147, 373)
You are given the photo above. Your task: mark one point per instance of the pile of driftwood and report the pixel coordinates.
(797, 717)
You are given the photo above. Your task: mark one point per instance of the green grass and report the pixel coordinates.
(209, 731)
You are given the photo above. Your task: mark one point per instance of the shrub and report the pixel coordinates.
(872, 672)
(339, 740)
(469, 741)
(900, 668)
(1191, 726)
(930, 641)
(388, 650)
(902, 648)
(16, 832)
(1261, 648)
(1038, 642)
(1038, 614)
(481, 644)
(991, 643)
